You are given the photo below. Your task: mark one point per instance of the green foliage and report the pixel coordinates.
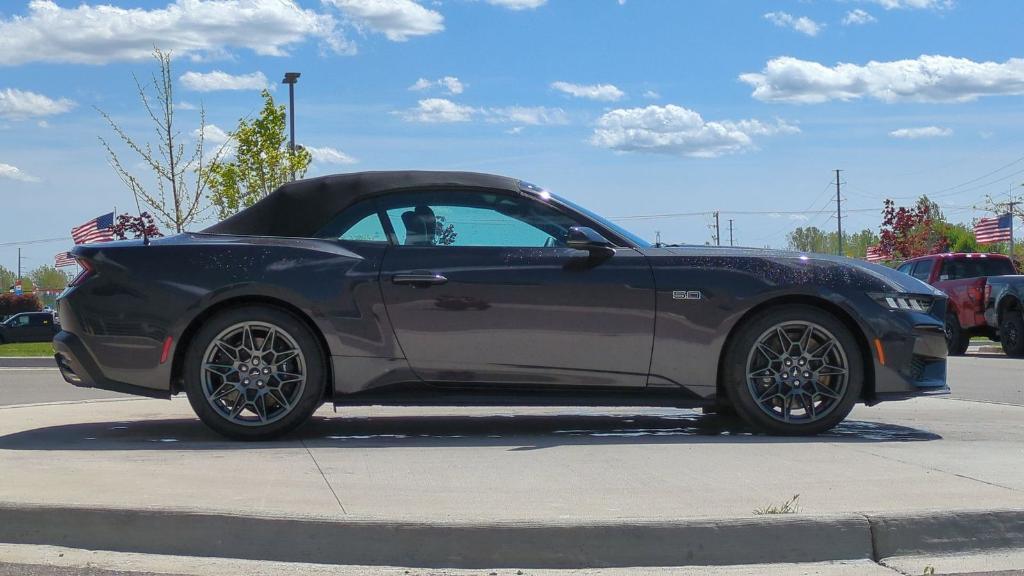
(49, 278)
(262, 161)
(7, 279)
(22, 349)
(813, 239)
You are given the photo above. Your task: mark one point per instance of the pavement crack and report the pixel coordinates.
(324, 476)
(926, 467)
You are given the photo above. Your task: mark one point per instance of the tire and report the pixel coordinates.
(956, 341)
(1011, 333)
(827, 382)
(261, 396)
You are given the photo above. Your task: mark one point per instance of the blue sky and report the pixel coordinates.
(633, 108)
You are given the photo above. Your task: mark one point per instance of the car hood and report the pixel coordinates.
(896, 281)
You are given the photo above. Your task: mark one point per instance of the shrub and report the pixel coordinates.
(13, 304)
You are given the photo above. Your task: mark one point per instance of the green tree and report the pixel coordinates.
(811, 239)
(7, 279)
(49, 278)
(262, 161)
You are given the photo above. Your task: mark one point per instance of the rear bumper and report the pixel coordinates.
(78, 368)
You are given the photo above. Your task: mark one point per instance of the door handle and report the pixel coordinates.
(419, 279)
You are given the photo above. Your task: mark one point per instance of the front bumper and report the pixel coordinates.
(914, 362)
(78, 368)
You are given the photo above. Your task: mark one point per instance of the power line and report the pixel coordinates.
(28, 242)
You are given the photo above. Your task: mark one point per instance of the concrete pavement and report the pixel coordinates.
(443, 479)
(529, 487)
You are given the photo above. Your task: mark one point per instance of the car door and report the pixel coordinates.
(17, 328)
(480, 287)
(40, 327)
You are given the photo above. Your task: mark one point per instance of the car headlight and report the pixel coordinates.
(915, 302)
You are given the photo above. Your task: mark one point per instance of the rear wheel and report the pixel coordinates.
(794, 370)
(254, 373)
(1011, 333)
(956, 341)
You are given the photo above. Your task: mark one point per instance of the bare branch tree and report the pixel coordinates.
(180, 180)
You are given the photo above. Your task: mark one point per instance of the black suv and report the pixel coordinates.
(29, 327)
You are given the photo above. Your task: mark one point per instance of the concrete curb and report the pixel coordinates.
(766, 539)
(28, 362)
(987, 349)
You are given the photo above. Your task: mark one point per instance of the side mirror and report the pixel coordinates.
(584, 238)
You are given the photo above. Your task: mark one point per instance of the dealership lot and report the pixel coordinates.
(540, 466)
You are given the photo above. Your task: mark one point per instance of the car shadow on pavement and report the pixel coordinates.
(516, 432)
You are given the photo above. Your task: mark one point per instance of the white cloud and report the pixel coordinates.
(217, 80)
(102, 33)
(858, 17)
(679, 131)
(438, 110)
(515, 130)
(801, 24)
(603, 92)
(519, 4)
(21, 104)
(924, 79)
(398, 20)
(328, 155)
(185, 106)
(15, 173)
(442, 110)
(531, 115)
(449, 84)
(652, 95)
(212, 134)
(914, 4)
(923, 132)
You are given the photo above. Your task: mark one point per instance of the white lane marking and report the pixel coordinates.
(28, 369)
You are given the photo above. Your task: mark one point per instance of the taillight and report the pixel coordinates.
(87, 271)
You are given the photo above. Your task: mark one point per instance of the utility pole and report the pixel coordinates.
(718, 231)
(19, 264)
(730, 232)
(839, 213)
(657, 237)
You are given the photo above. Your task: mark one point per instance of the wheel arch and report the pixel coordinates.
(185, 340)
(1008, 303)
(867, 356)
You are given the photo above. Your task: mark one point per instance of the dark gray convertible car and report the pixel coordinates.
(460, 288)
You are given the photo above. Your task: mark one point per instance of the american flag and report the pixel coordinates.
(875, 254)
(99, 229)
(998, 229)
(64, 259)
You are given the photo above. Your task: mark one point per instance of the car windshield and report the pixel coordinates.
(604, 222)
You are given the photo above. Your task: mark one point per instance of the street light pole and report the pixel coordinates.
(290, 78)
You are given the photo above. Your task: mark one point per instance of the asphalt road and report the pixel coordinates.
(979, 378)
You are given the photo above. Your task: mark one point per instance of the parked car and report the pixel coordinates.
(1004, 312)
(29, 327)
(460, 288)
(963, 277)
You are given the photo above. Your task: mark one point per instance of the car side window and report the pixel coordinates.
(905, 268)
(20, 320)
(474, 218)
(360, 223)
(923, 270)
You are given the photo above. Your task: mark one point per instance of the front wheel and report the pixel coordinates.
(254, 373)
(794, 370)
(956, 341)
(1011, 333)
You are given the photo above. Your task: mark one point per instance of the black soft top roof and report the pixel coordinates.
(301, 208)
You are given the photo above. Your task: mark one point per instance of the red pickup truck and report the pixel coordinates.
(962, 277)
